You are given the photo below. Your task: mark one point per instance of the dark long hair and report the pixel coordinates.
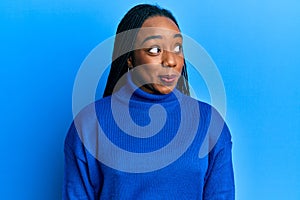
(133, 20)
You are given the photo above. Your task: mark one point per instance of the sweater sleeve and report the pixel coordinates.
(219, 180)
(77, 183)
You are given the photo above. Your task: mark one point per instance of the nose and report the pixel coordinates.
(168, 59)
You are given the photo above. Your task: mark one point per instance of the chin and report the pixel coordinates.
(164, 89)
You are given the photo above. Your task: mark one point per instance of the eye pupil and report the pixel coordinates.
(177, 48)
(154, 50)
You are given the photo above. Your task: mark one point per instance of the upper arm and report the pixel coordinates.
(219, 180)
(77, 172)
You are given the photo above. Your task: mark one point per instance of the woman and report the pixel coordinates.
(147, 112)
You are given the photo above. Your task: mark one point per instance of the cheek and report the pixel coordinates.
(149, 71)
(140, 58)
(146, 73)
(180, 63)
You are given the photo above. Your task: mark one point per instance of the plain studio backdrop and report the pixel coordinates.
(255, 45)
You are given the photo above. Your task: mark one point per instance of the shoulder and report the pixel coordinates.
(206, 110)
(89, 112)
(213, 126)
(85, 124)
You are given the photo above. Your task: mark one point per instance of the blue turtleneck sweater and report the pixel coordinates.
(136, 145)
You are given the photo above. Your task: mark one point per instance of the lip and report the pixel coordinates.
(168, 79)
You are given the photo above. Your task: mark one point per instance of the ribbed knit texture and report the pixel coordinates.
(189, 177)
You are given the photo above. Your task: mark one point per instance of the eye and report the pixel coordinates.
(178, 49)
(154, 50)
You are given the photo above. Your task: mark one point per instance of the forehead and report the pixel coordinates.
(160, 22)
(157, 25)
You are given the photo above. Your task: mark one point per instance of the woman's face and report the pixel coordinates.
(159, 53)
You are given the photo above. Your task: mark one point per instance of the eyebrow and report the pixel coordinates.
(151, 38)
(159, 37)
(178, 35)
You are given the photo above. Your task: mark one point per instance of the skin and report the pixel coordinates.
(158, 52)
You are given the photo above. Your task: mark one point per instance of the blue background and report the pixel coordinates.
(255, 45)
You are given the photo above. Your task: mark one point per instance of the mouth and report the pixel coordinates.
(168, 79)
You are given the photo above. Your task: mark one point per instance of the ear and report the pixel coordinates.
(129, 62)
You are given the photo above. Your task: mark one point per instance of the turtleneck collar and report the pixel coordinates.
(137, 94)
